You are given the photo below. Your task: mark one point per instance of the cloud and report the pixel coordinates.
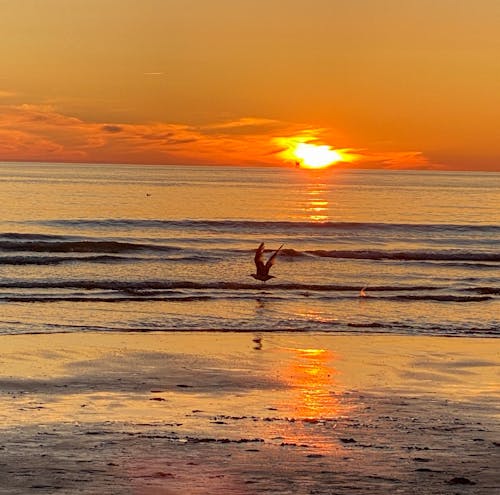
(42, 133)
(394, 160)
(244, 126)
(16, 145)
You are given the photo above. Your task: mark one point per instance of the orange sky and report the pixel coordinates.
(399, 83)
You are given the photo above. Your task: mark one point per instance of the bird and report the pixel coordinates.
(263, 268)
(362, 292)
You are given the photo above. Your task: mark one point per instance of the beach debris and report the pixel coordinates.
(347, 440)
(459, 480)
(313, 421)
(162, 474)
(222, 440)
(362, 292)
(258, 343)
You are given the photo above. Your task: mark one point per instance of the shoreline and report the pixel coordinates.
(189, 412)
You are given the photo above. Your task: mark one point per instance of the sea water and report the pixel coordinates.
(161, 248)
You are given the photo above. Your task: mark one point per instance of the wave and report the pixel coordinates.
(190, 291)
(107, 299)
(484, 290)
(143, 285)
(368, 254)
(36, 243)
(80, 246)
(30, 237)
(464, 264)
(252, 225)
(105, 259)
(130, 296)
(56, 260)
(441, 297)
(440, 331)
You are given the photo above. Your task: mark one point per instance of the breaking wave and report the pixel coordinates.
(367, 254)
(78, 246)
(279, 226)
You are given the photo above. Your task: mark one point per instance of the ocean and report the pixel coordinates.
(124, 248)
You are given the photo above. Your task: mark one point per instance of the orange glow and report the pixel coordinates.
(346, 87)
(317, 205)
(312, 377)
(305, 154)
(315, 397)
(314, 156)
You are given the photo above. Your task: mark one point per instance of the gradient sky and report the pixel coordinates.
(399, 83)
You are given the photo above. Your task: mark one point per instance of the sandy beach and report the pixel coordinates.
(249, 247)
(209, 413)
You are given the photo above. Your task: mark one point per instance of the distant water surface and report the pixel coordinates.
(156, 248)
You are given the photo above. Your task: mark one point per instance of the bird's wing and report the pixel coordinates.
(259, 258)
(271, 260)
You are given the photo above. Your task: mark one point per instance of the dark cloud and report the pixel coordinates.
(169, 138)
(180, 141)
(112, 128)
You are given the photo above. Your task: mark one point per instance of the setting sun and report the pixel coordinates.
(301, 150)
(314, 156)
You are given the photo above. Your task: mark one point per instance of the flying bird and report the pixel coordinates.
(263, 268)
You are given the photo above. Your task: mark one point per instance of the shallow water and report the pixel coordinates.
(152, 248)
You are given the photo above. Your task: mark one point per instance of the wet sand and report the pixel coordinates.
(212, 413)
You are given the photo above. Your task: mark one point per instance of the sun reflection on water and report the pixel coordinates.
(317, 205)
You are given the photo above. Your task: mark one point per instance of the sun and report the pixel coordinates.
(316, 156)
(303, 151)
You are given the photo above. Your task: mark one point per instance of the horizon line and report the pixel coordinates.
(291, 167)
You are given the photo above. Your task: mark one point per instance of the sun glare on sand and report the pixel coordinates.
(312, 156)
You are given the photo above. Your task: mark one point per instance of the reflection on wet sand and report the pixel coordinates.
(202, 413)
(312, 377)
(314, 400)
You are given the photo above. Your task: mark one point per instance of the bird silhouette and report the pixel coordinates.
(263, 268)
